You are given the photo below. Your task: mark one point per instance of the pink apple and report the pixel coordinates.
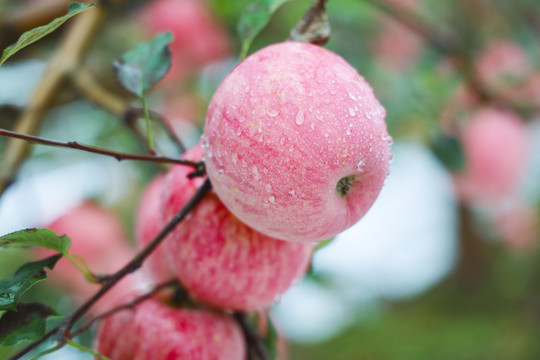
(97, 235)
(198, 37)
(220, 260)
(518, 225)
(295, 143)
(501, 63)
(154, 331)
(495, 145)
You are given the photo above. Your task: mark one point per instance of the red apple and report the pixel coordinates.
(154, 331)
(295, 143)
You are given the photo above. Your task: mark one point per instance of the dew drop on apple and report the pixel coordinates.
(351, 95)
(272, 113)
(300, 117)
(291, 192)
(256, 173)
(246, 90)
(272, 199)
(361, 166)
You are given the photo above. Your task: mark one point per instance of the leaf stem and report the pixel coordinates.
(85, 349)
(148, 125)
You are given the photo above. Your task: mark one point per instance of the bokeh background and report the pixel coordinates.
(446, 264)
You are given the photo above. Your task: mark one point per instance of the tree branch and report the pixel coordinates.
(198, 166)
(62, 330)
(252, 339)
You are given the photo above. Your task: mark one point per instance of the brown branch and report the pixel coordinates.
(198, 166)
(129, 305)
(63, 329)
(252, 339)
(65, 60)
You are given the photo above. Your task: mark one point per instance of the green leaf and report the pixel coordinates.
(25, 277)
(31, 36)
(254, 19)
(36, 237)
(145, 65)
(449, 151)
(28, 322)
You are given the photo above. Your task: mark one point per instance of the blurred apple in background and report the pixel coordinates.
(96, 235)
(198, 37)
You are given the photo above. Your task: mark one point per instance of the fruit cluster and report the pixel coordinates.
(296, 149)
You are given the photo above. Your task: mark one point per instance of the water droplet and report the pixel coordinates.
(272, 113)
(326, 134)
(300, 118)
(351, 111)
(351, 95)
(272, 199)
(234, 158)
(348, 131)
(291, 192)
(312, 126)
(256, 173)
(318, 115)
(361, 166)
(246, 89)
(268, 187)
(238, 131)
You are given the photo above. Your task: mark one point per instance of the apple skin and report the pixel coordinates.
(495, 144)
(154, 331)
(97, 235)
(221, 261)
(284, 127)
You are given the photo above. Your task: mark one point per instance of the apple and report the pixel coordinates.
(155, 331)
(98, 236)
(221, 261)
(502, 63)
(295, 143)
(495, 144)
(198, 37)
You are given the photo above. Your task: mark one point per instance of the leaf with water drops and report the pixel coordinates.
(31, 36)
(254, 19)
(142, 67)
(36, 237)
(26, 323)
(24, 278)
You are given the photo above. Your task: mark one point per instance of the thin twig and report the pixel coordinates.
(252, 339)
(129, 305)
(62, 330)
(95, 150)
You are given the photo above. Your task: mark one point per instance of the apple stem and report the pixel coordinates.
(344, 185)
